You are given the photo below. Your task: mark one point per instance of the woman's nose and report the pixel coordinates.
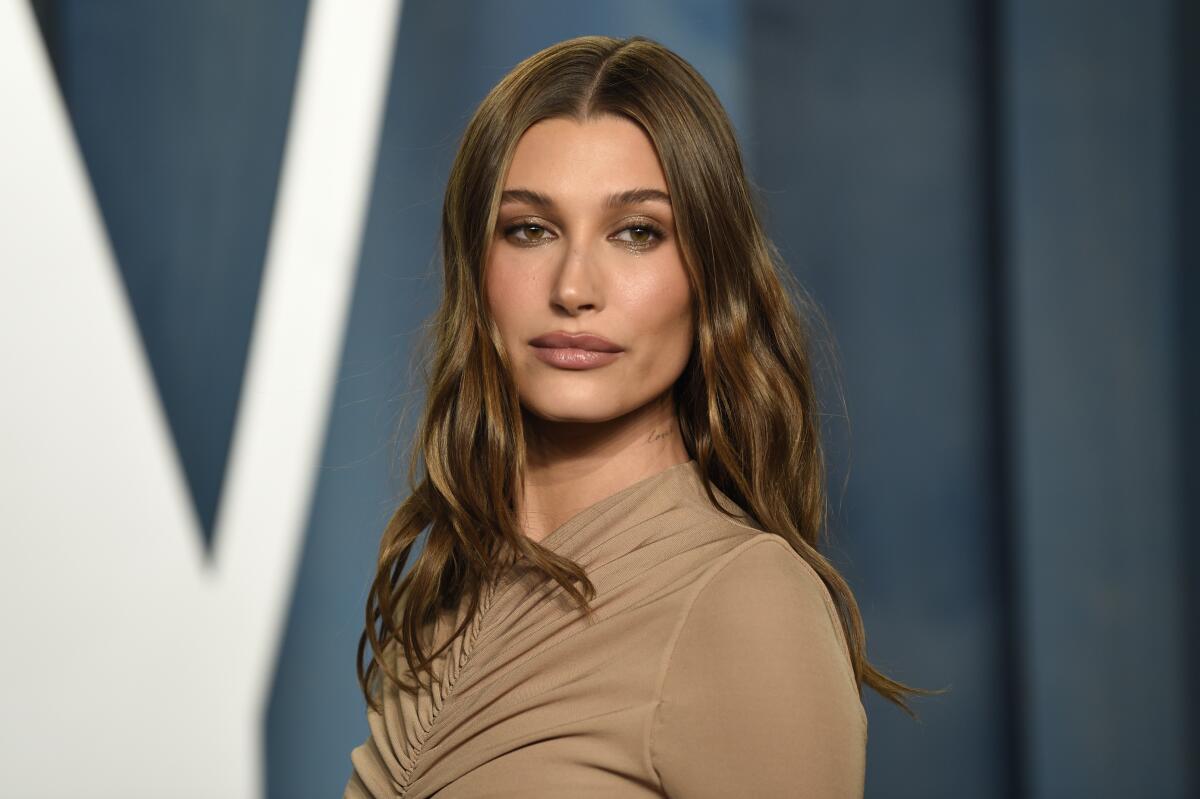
(577, 284)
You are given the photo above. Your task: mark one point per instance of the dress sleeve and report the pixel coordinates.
(371, 774)
(758, 696)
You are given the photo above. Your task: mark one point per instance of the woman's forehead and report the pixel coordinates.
(564, 159)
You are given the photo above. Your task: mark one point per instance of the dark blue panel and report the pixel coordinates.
(181, 111)
(1187, 307)
(1095, 338)
(872, 156)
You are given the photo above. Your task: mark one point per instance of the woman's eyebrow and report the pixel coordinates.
(635, 196)
(619, 199)
(525, 196)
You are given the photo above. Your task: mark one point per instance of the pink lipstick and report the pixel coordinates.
(574, 350)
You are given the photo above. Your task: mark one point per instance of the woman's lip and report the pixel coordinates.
(573, 357)
(585, 341)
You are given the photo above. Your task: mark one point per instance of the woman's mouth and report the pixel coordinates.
(574, 350)
(573, 357)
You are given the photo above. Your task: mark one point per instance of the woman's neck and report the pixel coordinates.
(571, 465)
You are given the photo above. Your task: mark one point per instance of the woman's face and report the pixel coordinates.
(585, 243)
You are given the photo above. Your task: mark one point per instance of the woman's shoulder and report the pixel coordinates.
(757, 676)
(763, 598)
(766, 559)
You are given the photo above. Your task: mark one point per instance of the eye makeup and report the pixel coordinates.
(646, 226)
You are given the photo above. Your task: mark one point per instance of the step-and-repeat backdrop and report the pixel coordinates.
(218, 232)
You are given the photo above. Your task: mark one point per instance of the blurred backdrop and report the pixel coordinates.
(994, 202)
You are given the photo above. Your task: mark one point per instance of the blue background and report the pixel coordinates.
(995, 203)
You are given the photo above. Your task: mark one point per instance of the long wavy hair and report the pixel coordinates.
(746, 400)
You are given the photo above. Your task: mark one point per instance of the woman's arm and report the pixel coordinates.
(758, 697)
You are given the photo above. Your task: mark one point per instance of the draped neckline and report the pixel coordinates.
(560, 539)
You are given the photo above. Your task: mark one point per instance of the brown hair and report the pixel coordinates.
(746, 401)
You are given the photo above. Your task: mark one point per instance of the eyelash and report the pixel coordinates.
(657, 231)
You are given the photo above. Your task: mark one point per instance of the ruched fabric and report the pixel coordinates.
(715, 666)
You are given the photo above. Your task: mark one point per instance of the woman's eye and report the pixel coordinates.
(533, 233)
(640, 235)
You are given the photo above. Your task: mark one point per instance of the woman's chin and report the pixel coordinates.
(567, 410)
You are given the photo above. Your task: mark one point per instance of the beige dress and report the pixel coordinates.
(715, 667)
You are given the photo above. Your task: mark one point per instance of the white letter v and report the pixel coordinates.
(129, 667)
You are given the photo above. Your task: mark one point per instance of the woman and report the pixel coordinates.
(620, 594)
